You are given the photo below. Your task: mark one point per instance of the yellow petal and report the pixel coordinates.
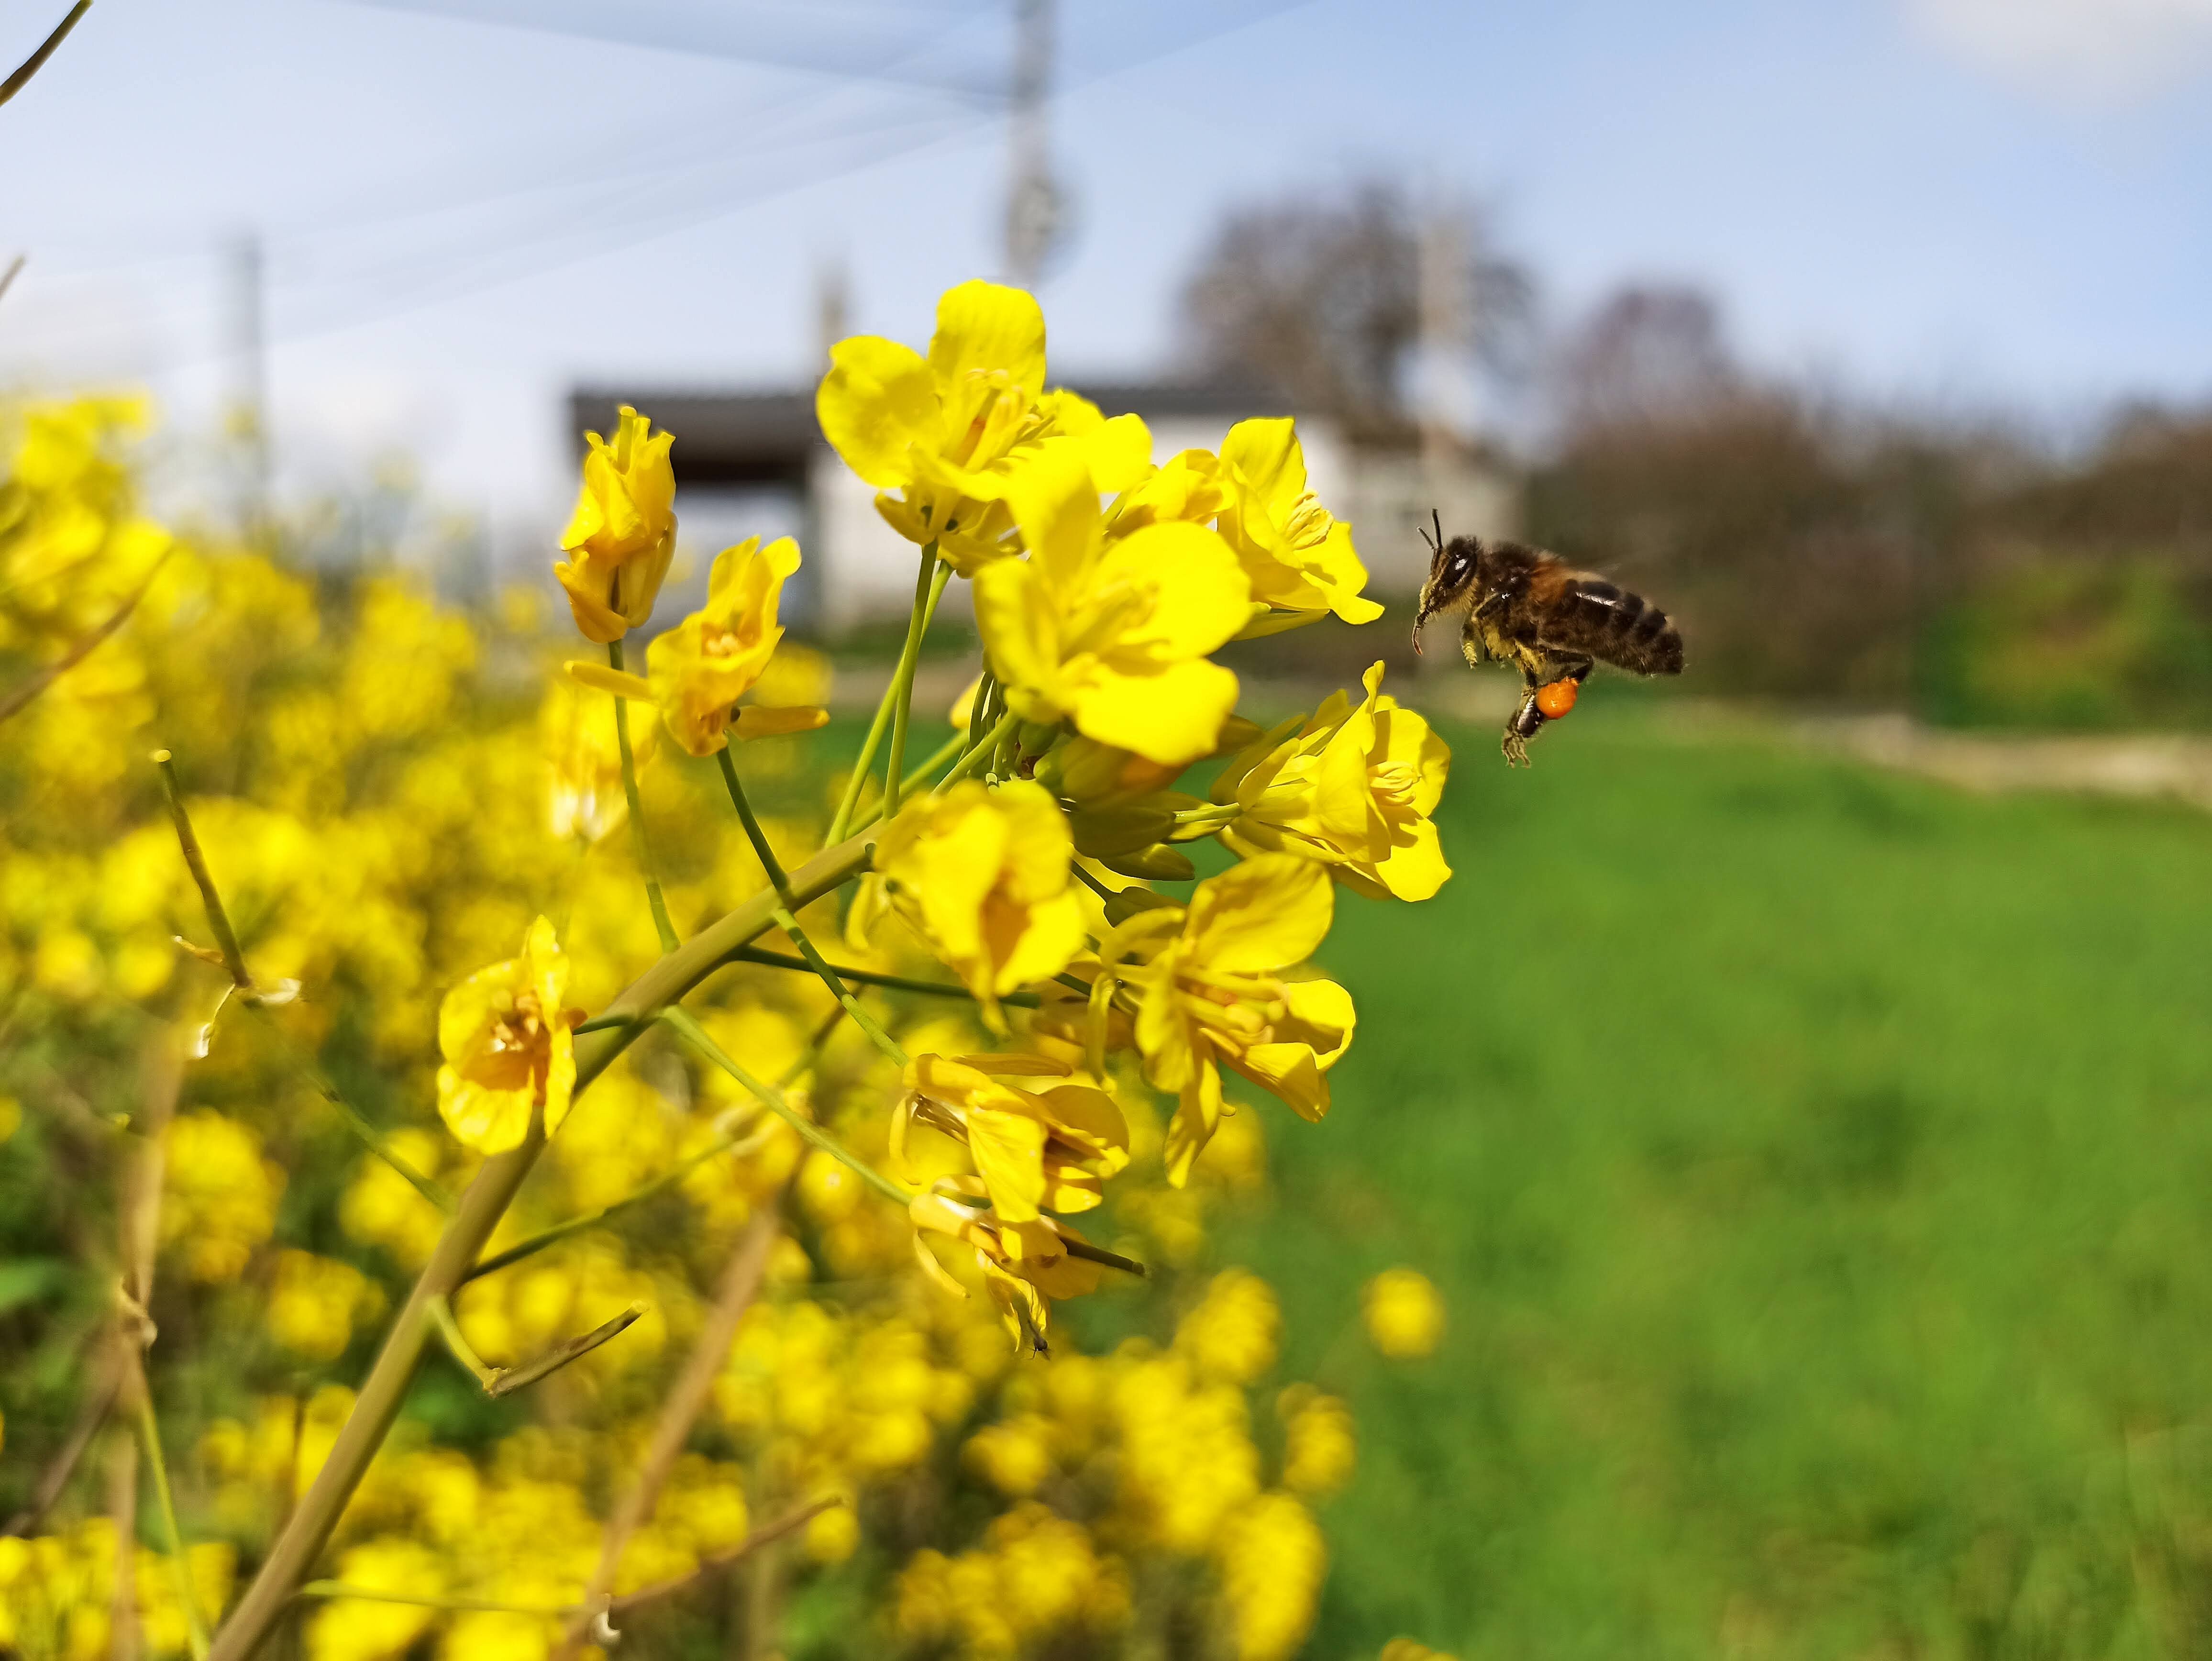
(985, 325)
(1267, 452)
(1171, 717)
(1015, 615)
(1288, 1071)
(1416, 869)
(1198, 1112)
(1009, 1152)
(1265, 914)
(604, 677)
(1202, 594)
(1053, 934)
(488, 1120)
(1055, 502)
(877, 399)
(595, 619)
(1092, 1115)
(755, 722)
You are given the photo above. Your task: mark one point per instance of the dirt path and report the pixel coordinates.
(2151, 765)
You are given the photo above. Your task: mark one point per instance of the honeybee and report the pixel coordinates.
(1530, 608)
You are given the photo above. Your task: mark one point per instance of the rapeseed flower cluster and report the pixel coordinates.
(412, 814)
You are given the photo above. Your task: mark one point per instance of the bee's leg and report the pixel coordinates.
(1472, 645)
(1527, 720)
(1576, 669)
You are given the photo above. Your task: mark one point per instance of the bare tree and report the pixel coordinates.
(1650, 353)
(1319, 299)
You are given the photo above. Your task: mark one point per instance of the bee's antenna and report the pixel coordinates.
(1437, 542)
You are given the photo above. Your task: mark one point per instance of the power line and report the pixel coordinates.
(627, 204)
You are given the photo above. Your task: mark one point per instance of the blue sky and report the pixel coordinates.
(1963, 202)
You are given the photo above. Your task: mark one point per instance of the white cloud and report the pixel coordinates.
(2082, 51)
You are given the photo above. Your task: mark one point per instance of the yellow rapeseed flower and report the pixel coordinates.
(1352, 788)
(1111, 632)
(1024, 1264)
(1209, 994)
(697, 671)
(1411, 1649)
(948, 432)
(1321, 1444)
(1233, 1333)
(1297, 555)
(1051, 1149)
(369, 1629)
(623, 533)
(583, 763)
(314, 1303)
(222, 1195)
(510, 1047)
(982, 875)
(1404, 1314)
(1272, 1562)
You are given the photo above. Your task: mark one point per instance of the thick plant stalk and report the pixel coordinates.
(478, 1214)
(741, 1280)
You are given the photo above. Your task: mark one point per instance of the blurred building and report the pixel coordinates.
(756, 461)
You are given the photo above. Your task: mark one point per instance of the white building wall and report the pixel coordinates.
(1392, 494)
(867, 567)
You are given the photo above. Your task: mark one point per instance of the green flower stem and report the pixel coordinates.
(1193, 823)
(233, 960)
(920, 776)
(667, 1179)
(754, 834)
(863, 766)
(505, 1381)
(661, 925)
(510, 1380)
(928, 584)
(870, 978)
(981, 753)
(234, 965)
(356, 1120)
(440, 1311)
(560, 1232)
(150, 1432)
(951, 748)
(692, 1033)
(478, 1213)
(1090, 881)
(841, 821)
(1091, 1253)
(374, 1140)
(787, 921)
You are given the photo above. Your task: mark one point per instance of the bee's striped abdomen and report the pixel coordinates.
(1617, 627)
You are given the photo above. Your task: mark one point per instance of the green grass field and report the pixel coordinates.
(1818, 1164)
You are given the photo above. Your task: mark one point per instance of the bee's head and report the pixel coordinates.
(1453, 568)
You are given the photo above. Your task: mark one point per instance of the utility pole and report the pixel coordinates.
(248, 418)
(1035, 207)
(1447, 336)
(833, 304)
